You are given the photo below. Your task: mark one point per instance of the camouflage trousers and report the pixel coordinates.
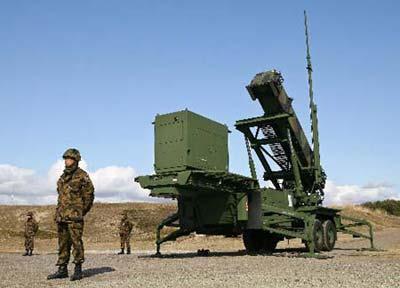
(70, 235)
(125, 241)
(29, 243)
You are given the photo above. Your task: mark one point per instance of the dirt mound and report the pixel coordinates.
(379, 219)
(101, 224)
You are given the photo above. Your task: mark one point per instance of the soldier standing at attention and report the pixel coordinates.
(75, 198)
(125, 229)
(31, 228)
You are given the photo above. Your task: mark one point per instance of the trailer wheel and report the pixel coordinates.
(329, 235)
(318, 236)
(252, 240)
(269, 242)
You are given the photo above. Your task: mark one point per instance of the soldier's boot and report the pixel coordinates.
(77, 273)
(30, 252)
(121, 252)
(128, 250)
(26, 253)
(62, 272)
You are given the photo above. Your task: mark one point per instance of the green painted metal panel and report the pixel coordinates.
(242, 207)
(213, 210)
(278, 198)
(185, 140)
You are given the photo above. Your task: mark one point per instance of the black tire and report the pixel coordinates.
(317, 236)
(269, 242)
(252, 240)
(329, 235)
(259, 241)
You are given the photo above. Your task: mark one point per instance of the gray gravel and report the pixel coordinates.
(218, 270)
(346, 267)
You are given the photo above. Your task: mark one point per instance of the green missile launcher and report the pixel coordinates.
(191, 166)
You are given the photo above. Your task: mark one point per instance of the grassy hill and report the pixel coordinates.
(390, 206)
(101, 224)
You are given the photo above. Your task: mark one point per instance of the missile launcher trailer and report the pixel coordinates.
(191, 165)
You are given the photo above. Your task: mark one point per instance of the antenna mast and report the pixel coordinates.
(313, 111)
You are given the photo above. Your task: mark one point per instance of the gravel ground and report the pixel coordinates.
(345, 267)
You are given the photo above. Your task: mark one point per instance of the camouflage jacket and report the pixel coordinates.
(125, 227)
(31, 228)
(75, 196)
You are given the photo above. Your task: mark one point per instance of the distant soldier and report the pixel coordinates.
(31, 228)
(75, 198)
(125, 229)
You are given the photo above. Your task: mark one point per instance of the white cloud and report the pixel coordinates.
(354, 194)
(115, 184)
(25, 186)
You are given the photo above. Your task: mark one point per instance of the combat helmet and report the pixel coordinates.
(30, 213)
(72, 153)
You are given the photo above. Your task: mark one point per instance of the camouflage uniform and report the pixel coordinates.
(75, 198)
(125, 229)
(31, 228)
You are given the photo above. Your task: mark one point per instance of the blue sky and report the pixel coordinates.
(93, 74)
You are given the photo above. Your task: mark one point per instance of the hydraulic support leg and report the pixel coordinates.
(344, 228)
(170, 237)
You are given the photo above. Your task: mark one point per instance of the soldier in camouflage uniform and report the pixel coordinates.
(75, 198)
(31, 228)
(125, 229)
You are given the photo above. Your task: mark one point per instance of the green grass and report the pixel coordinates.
(390, 206)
